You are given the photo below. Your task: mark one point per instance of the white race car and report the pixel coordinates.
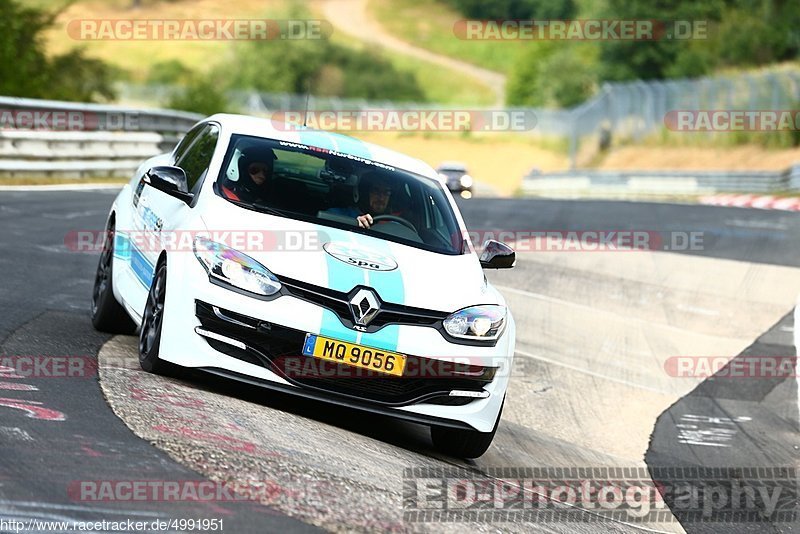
(315, 264)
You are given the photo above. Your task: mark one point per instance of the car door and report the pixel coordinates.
(157, 213)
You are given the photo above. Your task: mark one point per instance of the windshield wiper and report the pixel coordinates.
(267, 209)
(257, 206)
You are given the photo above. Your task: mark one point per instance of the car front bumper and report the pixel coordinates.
(253, 339)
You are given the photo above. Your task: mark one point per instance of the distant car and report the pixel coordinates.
(455, 176)
(396, 319)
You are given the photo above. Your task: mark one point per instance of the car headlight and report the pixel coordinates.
(231, 267)
(477, 323)
(466, 181)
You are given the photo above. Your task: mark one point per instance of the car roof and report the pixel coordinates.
(269, 129)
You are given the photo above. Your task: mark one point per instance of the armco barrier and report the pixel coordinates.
(52, 138)
(658, 184)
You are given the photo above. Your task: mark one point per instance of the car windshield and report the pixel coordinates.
(332, 189)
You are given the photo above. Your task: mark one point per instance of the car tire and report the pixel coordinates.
(461, 443)
(152, 325)
(108, 315)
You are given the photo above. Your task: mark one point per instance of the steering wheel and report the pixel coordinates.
(394, 218)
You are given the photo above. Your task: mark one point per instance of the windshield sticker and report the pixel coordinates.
(359, 159)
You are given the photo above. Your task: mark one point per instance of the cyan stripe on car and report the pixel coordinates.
(390, 288)
(122, 247)
(141, 267)
(125, 250)
(343, 277)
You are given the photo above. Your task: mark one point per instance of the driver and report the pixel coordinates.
(375, 194)
(255, 172)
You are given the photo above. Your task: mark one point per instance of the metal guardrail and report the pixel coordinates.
(658, 184)
(53, 138)
(103, 117)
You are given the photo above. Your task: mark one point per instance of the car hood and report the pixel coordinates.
(341, 260)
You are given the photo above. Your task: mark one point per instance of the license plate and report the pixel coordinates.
(333, 350)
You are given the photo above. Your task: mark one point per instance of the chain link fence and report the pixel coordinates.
(629, 110)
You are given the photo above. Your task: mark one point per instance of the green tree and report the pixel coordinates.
(24, 68)
(319, 66)
(626, 60)
(201, 95)
(169, 72)
(26, 71)
(553, 74)
(516, 9)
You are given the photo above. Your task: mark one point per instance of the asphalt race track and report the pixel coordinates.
(592, 386)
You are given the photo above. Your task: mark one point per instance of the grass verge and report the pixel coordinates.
(429, 24)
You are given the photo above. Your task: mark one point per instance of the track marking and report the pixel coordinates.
(590, 373)
(33, 409)
(761, 225)
(554, 300)
(15, 433)
(75, 508)
(697, 310)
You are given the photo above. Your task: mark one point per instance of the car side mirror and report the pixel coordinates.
(497, 255)
(170, 180)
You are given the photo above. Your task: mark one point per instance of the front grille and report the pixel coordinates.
(265, 341)
(339, 303)
(279, 348)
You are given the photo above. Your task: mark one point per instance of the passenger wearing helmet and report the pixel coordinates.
(255, 176)
(375, 194)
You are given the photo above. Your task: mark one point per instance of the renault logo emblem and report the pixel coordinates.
(364, 306)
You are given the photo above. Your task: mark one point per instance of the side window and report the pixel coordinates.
(441, 225)
(196, 159)
(184, 143)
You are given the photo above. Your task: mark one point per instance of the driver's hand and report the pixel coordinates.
(364, 221)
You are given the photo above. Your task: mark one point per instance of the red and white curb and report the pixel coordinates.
(766, 202)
